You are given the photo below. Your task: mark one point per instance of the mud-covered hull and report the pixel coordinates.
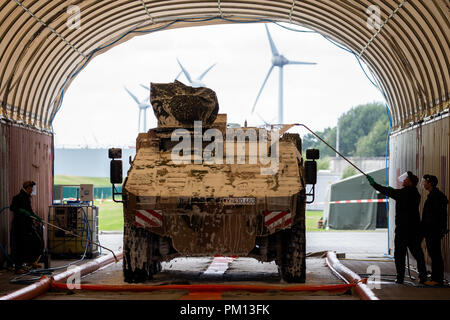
(215, 229)
(225, 226)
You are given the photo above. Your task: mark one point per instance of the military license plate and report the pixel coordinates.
(239, 201)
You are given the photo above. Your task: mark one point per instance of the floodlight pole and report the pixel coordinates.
(337, 138)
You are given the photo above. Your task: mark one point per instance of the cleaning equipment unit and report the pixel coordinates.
(70, 219)
(78, 219)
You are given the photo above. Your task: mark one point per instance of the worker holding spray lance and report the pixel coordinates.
(407, 218)
(27, 231)
(26, 235)
(407, 223)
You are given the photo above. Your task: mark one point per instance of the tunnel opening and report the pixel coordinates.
(416, 90)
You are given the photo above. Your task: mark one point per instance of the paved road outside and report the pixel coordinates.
(349, 242)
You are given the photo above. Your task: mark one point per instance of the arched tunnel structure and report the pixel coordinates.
(404, 43)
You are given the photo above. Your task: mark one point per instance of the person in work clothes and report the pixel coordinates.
(26, 240)
(407, 223)
(434, 227)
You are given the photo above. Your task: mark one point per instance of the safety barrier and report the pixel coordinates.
(353, 201)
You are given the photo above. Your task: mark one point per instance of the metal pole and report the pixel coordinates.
(337, 138)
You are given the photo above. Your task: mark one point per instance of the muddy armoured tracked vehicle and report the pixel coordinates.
(198, 207)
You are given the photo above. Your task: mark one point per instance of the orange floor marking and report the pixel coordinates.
(202, 296)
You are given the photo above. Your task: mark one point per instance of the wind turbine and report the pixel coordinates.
(143, 106)
(278, 60)
(196, 83)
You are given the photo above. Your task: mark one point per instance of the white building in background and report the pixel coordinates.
(85, 162)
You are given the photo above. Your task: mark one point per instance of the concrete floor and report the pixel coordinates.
(358, 246)
(242, 271)
(388, 289)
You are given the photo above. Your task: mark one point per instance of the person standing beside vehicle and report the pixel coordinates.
(434, 227)
(407, 223)
(26, 242)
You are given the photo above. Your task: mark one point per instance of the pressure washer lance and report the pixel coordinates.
(288, 126)
(73, 234)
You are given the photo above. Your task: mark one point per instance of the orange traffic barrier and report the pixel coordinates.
(350, 277)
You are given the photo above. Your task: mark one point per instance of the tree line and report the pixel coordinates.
(362, 133)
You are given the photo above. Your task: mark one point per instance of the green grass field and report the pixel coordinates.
(111, 213)
(110, 216)
(312, 217)
(73, 180)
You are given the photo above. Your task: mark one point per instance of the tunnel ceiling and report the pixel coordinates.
(40, 55)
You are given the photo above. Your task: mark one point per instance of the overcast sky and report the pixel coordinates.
(97, 111)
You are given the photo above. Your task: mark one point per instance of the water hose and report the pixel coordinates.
(409, 266)
(206, 287)
(74, 234)
(41, 287)
(350, 277)
(22, 279)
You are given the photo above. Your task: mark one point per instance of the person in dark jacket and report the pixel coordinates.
(434, 227)
(407, 224)
(26, 240)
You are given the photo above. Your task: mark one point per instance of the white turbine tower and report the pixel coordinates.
(278, 60)
(143, 106)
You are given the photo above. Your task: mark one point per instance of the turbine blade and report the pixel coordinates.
(272, 44)
(205, 72)
(301, 62)
(179, 74)
(133, 96)
(145, 87)
(265, 122)
(262, 87)
(185, 72)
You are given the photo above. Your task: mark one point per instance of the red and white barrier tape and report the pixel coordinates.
(326, 202)
(353, 201)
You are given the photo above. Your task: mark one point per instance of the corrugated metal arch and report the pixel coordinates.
(408, 57)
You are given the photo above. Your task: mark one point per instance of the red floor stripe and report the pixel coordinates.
(202, 296)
